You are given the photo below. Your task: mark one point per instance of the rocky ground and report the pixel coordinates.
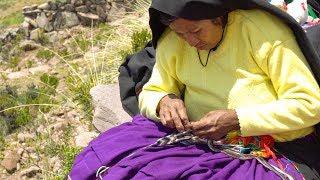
(80, 58)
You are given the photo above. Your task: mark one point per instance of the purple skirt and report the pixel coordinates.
(122, 150)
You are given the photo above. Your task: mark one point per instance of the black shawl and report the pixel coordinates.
(136, 70)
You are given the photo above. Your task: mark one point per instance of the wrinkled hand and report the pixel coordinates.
(216, 124)
(173, 113)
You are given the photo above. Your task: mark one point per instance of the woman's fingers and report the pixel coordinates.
(182, 111)
(166, 119)
(198, 125)
(176, 119)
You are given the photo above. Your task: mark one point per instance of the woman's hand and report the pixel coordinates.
(216, 124)
(173, 113)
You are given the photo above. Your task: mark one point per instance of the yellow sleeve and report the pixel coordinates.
(163, 80)
(298, 102)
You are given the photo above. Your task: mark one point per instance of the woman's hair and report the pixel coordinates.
(167, 19)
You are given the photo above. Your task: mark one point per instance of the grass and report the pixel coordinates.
(45, 54)
(15, 18)
(16, 107)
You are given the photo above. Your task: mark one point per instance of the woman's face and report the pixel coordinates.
(201, 34)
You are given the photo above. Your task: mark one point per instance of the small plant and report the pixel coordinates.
(81, 43)
(45, 54)
(29, 63)
(80, 90)
(140, 39)
(14, 61)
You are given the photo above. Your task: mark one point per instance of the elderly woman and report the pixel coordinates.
(220, 72)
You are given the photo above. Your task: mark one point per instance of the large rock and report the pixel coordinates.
(65, 20)
(88, 18)
(108, 111)
(43, 22)
(35, 34)
(10, 161)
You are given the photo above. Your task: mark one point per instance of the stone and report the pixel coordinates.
(53, 36)
(100, 2)
(26, 28)
(115, 12)
(35, 34)
(30, 8)
(42, 69)
(58, 126)
(30, 149)
(32, 14)
(44, 6)
(83, 139)
(69, 7)
(93, 9)
(53, 6)
(32, 22)
(62, 8)
(108, 111)
(10, 161)
(65, 20)
(40, 129)
(82, 9)
(28, 45)
(23, 137)
(101, 12)
(77, 2)
(43, 22)
(30, 172)
(88, 18)
(20, 151)
(88, 3)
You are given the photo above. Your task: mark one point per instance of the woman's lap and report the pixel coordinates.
(122, 150)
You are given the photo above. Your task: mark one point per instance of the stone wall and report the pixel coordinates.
(58, 15)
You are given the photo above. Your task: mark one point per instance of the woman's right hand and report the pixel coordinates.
(173, 113)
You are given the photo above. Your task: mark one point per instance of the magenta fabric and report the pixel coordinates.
(122, 149)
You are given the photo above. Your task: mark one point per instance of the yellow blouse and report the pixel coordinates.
(258, 70)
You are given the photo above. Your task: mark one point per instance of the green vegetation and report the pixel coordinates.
(80, 89)
(81, 42)
(14, 19)
(16, 107)
(138, 40)
(45, 54)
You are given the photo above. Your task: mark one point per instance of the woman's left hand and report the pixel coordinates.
(216, 124)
